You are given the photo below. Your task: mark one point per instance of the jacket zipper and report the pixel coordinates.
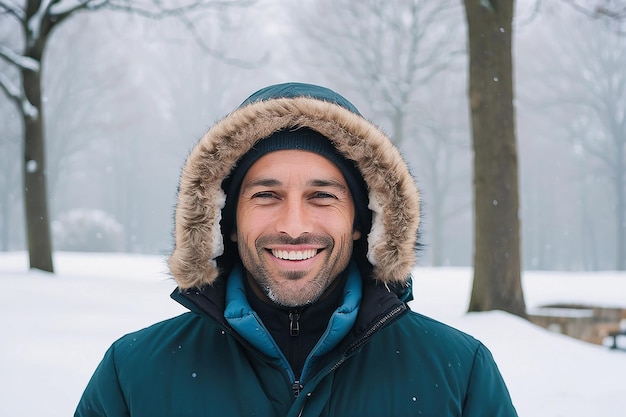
(296, 387)
(304, 404)
(383, 320)
(294, 331)
(294, 324)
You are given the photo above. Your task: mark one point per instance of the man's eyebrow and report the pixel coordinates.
(261, 182)
(327, 183)
(273, 182)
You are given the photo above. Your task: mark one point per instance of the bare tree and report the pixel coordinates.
(583, 93)
(444, 169)
(36, 20)
(383, 50)
(391, 55)
(611, 12)
(497, 275)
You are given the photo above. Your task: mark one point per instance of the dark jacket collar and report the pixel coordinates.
(378, 303)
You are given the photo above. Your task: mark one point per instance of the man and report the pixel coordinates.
(295, 235)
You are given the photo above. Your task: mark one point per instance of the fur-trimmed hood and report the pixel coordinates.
(393, 194)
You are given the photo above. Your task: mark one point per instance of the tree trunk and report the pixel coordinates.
(34, 174)
(497, 276)
(620, 207)
(34, 162)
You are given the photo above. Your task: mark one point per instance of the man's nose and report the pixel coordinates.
(294, 218)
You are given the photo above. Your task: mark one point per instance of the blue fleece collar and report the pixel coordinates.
(247, 324)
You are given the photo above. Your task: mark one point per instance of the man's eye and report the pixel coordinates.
(322, 194)
(263, 194)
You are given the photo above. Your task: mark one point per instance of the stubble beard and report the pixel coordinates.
(284, 291)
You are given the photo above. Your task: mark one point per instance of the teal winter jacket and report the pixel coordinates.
(394, 362)
(376, 356)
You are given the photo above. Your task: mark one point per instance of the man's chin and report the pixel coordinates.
(292, 275)
(293, 295)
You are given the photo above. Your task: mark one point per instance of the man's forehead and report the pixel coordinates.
(293, 159)
(275, 168)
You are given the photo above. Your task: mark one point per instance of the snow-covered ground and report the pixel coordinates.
(55, 329)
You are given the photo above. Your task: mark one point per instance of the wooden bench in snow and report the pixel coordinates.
(615, 335)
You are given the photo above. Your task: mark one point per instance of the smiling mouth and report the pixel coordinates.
(292, 255)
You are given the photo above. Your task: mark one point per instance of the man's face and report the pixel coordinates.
(295, 219)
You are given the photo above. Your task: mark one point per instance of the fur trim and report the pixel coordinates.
(393, 194)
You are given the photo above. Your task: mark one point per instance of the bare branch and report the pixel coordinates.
(18, 97)
(217, 54)
(59, 13)
(525, 21)
(582, 9)
(22, 62)
(159, 12)
(13, 10)
(35, 22)
(164, 12)
(9, 88)
(614, 14)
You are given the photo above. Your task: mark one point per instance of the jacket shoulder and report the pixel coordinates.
(439, 334)
(163, 368)
(418, 363)
(164, 326)
(158, 337)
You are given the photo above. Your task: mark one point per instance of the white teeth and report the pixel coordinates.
(293, 255)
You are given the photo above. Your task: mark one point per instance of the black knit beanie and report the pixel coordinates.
(302, 139)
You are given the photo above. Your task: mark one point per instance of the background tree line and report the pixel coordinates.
(125, 97)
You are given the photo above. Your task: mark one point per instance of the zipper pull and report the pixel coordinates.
(294, 325)
(296, 387)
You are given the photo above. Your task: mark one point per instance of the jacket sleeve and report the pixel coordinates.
(103, 396)
(487, 394)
